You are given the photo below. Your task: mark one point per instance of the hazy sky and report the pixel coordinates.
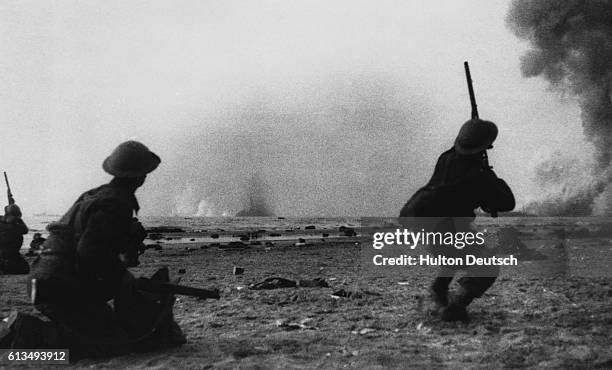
(340, 107)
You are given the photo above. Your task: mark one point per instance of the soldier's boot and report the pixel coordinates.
(438, 292)
(457, 309)
(8, 330)
(21, 330)
(159, 326)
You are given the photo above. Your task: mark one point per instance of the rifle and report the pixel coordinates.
(9, 194)
(468, 76)
(49, 290)
(154, 286)
(485, 157)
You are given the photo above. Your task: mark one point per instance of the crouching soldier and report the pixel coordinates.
(80, 269)
(462, 181)
(35, 245)
(12, 229)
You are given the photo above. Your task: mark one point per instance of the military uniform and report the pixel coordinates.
(462, 182)
(12, 229)
(81, 268)
(86, 244)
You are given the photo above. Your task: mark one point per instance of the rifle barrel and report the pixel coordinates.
(9, 194)
(468, 76)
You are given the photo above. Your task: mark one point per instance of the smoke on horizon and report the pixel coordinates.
(353, 145)
(256, 203)
(571, 47)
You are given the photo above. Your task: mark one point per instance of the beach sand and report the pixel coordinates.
(525, 319)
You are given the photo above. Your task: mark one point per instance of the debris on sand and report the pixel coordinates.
(165, 229)
(155, 236)
(238, 270)
(508, 242)
(273, 283)
(278, 283)
(581, 232)
(295, 325)
(422, 328)
(234, 245)
(350, 232)
(300, 243)
(603, 231)
(580, 353)
(365, 331)
(314, 283)
(353, 294)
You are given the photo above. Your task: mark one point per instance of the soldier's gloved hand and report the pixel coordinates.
(130, 257)
(137, 231)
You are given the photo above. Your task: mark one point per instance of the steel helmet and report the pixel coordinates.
(131, 159)
(475, 136)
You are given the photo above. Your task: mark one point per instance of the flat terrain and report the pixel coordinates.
(529, 318)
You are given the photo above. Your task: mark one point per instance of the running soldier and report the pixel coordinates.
(462, 182)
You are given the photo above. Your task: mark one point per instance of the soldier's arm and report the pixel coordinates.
(496, 194)
(104, 236)
(22, 227)
(15, 224)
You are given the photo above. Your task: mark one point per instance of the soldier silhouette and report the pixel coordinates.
(462, 182)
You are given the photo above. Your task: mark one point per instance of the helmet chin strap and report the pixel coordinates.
(485, 159)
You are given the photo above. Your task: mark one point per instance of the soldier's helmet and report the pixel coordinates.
(12, 210)
(131, 159)
(475, 136)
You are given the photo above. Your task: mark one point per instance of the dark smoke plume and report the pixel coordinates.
(571, 47)
(257, 204)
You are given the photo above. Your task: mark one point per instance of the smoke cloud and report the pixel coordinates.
(257, 203)
(571, 47)
(350, 145)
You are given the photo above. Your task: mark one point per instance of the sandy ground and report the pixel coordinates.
(527, 319)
